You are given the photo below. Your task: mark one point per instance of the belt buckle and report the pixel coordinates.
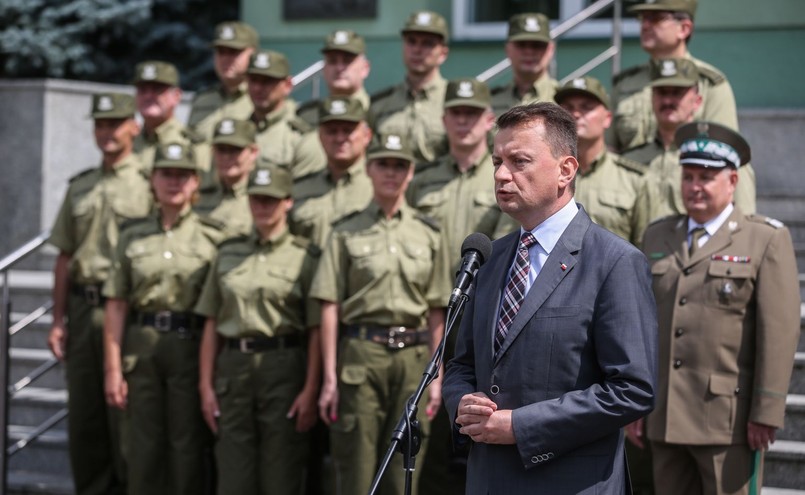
(394, 332)
(244, 345)
(162, 321)
(92, 295)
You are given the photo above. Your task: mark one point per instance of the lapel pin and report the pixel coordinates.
(563, 266)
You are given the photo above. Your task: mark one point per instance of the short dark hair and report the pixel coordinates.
(560, 126)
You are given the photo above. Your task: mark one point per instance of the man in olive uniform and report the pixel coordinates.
(234, 154)
(157, 96)
(458, 191)
(345, 69)
(530, 50)
(728, 308)
(283, 138)
(675, 101)
(343, 186)
(665, 29)
(413, 108)
(606, 183)
(234, 44)
(85, 233)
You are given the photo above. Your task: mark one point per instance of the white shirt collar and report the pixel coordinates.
(551, 229)
(711, 226)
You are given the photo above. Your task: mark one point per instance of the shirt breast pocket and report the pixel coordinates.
(417, 263)
(730, 285)
(432, 204)
(366, 259)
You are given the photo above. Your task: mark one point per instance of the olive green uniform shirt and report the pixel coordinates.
(461, 202)
(213, 104)
(309, 111)
(383, 271)
(230, 207)
(287, 141)
(157, 269)
(414, 114)
(633, 119)
(170, 131)
(96, 203)
(505, 97)
(260, 288)
(319, 201)
(659, 193)
(608, 192)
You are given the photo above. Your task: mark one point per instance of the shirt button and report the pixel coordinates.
(535, 459)
(262, 257)
(679, 332)
(168, 255)
(686, 271)
(494, 389)
(737, 390)
(677, 364)
(683, 301)
(393, 249)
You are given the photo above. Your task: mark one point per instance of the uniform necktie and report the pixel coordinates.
(515, 289)
(695, 235)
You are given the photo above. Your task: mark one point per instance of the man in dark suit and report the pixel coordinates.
(544, 379)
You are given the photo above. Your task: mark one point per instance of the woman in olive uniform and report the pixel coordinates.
(252, 362)
(384, 278)
(151, 336)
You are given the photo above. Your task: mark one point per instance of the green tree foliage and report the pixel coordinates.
(102, 40)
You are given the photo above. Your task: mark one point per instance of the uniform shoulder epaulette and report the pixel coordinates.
(82, 173)
(498, 89)
(308, 246)
(666, 218)
(383, 93)
(630, 164)
(232, 240)
(212, 88)
(208, 221)
(765, 220)
(620, 76)
(423, 166)
(430, 222)
(711, 74)
(343, 218)
(300, 125)
(193, 135)
(308, 105)
(131, 222)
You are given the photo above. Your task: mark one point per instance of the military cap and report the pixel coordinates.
(341, 108)
(234, 34)
(344, 41)
(589, 86)
(706, 144)
(175, 155)
(269, 63)
(686, 6)
(679, 72)
(467, 93)
(112, 106)
(529, 27)
(240, 133)
(391, 146)
(270, 180)
(425, 21)
(156, 71)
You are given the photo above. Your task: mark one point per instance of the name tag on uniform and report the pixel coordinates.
(730, 258)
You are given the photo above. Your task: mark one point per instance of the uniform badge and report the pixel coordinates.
(105, 104)
(423, 18)
(725, 292)
(338, 107)
(149, 72)
(174, 151)
(730, 258)
(393, 142)
(531, 25)
(465, 89)
(263, 177)
(227, 33)
(668, 68)
(702, 128)
(775, 223)
(579, 83)
(732, 225)
(563, 266)
(262, 61)
(226, 127)
(340, 37)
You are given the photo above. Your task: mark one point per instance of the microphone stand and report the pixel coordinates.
(407, 436)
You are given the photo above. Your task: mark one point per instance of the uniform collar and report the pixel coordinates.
(377, 212)
(272, 118)
(601, 158)
(241, 91)
(355, 170)
(271, 242)
(433, 86)
(473, 169)
(711, 226)
(121, 166)
(183, 215)
(161, 129)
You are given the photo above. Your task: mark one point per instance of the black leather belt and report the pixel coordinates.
(393, 337)
(249, 345)
(91, 293)
(186, 324)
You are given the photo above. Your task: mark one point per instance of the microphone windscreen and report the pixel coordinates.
(477, 242)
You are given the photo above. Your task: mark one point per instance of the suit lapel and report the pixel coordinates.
(550, 275)
(498, 271)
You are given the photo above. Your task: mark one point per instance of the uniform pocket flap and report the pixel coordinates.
(416, 250)
(431, 199)
(485, 199)
(618, 199)
(729, 270)
(723, 384)
(353, 374)
(128, 364)
(345, 424)
(283, 272)
(221, 386)
(359, 248)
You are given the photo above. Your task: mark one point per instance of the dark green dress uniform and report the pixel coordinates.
(384, 274)
(86, 228)
(258, 293)
(160, 274)
(227, 206)
(286, 140)
(319, 201)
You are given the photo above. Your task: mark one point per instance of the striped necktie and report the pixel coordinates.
(515, 289)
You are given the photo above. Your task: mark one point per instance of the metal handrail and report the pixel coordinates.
(591, 64)
(30, 318)
(33, 376)
(36, 433)
(311, 72)
(563, 28)
(26, 249)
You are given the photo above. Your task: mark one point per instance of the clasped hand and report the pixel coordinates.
(479, 418)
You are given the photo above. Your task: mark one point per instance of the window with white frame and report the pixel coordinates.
(487, 19)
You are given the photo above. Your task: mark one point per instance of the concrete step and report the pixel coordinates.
(30, 483)
(794, 428)
(785, 465)
(797, 385)
(781, 491)
(47, 455)
(33, 405)
(25, 360)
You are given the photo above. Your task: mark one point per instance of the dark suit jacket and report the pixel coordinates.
(578, 363)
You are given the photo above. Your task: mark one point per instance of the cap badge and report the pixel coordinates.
(105, 104)
(149, 72)
(263, 177)
(531, 25)
(668, 68)
(465, 89)
(579, 83)
(174, 151)
(423, 19)
(702, 128)
(393, 142)
(262, 61)
(227, 33)
(338, 107)
(340, 37)
(226, 127)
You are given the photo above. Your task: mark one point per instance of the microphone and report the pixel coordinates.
(474, 251)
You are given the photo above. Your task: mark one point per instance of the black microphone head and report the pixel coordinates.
(477, 242)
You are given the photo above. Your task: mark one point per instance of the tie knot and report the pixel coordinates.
(527, 240)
